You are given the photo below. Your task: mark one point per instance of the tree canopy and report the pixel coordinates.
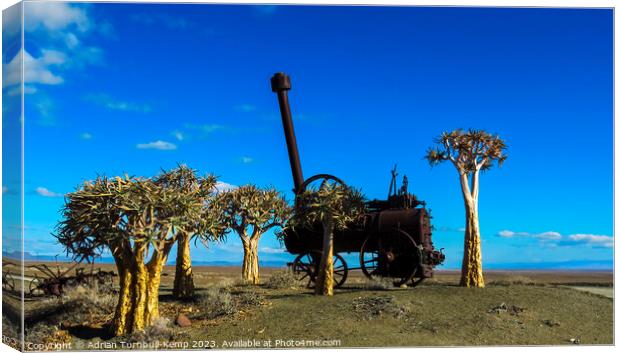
(469, 151)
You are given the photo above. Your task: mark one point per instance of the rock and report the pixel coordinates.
(183, 321)
(502, 308)
(551, 323)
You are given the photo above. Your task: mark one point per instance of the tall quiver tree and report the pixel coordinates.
(138, 221)
(251, 212)
(334, 207)
(184, 180)
(470, 152)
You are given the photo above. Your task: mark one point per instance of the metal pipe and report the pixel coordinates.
(281, 84)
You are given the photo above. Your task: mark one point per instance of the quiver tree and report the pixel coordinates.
(333, 207)
(183, 180)
(470, 152)
(250, 212)
(138, 221)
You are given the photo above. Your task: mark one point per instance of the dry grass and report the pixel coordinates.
(282, 280)
(364, 314)
(513, 280)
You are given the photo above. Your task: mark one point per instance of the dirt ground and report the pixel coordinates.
(516, 308)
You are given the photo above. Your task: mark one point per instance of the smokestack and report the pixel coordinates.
(281, 84)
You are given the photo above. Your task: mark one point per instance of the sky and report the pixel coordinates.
(132, 88)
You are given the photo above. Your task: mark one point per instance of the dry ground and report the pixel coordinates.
(516, 308)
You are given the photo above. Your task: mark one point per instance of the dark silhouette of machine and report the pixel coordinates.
(393, 238)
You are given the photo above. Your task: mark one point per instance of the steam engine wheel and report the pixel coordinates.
(318, 181)
(394, 254)
(306, 267)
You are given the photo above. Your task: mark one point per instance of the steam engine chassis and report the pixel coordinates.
(393, 238)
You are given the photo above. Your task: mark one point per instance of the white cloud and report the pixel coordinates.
(510, 234)
(71, 40)
(270, 250)
(110, 103)
(246, 108)
(551, 238)
(246, 159)
(17, 90)
(36, 70)
(157, 145)
(548, 235)
(544, 235)
(221, 186)
(56, 30)
(54, 16)
(178, 135)
(594, 240)
(212, 127)
(47, 193)
(11, 21)
(86, 136)
(208, 128)
(451, 229)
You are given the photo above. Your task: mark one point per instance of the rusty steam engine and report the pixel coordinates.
(393, 238)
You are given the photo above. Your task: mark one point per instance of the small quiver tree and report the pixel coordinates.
(251, 212)
(138, 221)
(183, 180)
(333, 207)
(470, 152)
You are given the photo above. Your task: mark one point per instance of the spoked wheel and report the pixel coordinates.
(418, 275)
(8, 282)
(306, 266)
(316, 182)
(394, 254)
(415, 281)
(34, 286)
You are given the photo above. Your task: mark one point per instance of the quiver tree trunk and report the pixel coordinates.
(325, 278)
(249, 271)
(183, 278)
(471, 271)
(138, 302)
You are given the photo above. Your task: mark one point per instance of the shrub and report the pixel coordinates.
(251, 298)
(213, 303)
(373, 307)
(282, 280)
(85, 304)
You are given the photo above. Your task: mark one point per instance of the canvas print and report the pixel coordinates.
(225, 176)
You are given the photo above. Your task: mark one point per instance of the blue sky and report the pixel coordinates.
(115, 88)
